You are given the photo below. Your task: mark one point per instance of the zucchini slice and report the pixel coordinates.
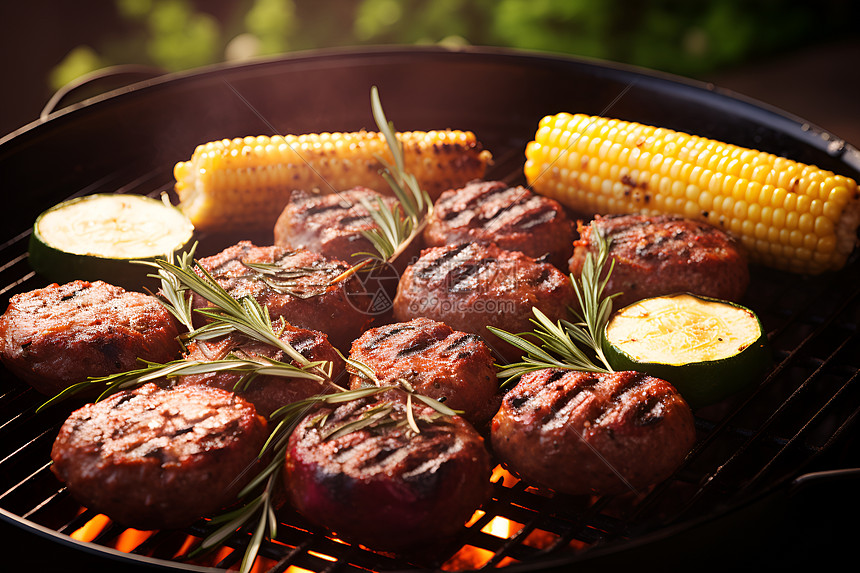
(708, 349)
(97, 236)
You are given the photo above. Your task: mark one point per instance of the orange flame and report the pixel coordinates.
(501, 527)
(129, 539)
(500, 473)
(91, 529)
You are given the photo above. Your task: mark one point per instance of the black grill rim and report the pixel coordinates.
(798, 132)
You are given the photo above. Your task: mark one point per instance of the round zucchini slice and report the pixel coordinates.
(97, 236)
(708, 349)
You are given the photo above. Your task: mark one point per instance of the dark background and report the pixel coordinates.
(799, 56)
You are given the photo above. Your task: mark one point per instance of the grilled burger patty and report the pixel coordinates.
(60, 335)
(383, 485)
(665, 254)
(295, 285)
(472, 286)
(329, 224)
(268, 393)
(583, 433)
(453, 367)
(154, 458)
(512, 217)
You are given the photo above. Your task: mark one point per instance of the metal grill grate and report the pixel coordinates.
(748, 444)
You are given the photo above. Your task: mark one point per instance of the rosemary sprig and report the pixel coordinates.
(173, 295)
(258, 512)
(244, 314)
(248, 366)
(395, 226)
(564, 344)
(596, 309)
(284, 281)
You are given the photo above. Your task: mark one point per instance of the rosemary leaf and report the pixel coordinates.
(410, 417)
(395, 226)
(520, 342)
(372, 416)
(229, 522)
(437, 405)
(173, 294)
(564, 344)
(245, 314)
(153, 371)
(256, 540)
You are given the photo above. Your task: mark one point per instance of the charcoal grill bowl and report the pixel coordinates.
(136, 133)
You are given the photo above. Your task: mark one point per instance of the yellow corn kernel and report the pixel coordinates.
(792, 216)
(246, 182)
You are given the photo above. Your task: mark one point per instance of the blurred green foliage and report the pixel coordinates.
(677, 36)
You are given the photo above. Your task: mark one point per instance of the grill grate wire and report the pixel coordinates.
(746, 444)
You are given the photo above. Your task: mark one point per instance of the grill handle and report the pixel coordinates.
(823, 478)
(97, 83)
(820, 493)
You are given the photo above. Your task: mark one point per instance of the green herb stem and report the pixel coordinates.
(564, 344)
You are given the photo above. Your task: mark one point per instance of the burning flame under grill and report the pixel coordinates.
(99, 528)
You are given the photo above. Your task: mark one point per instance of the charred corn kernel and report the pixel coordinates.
(246, 182)
(791, 216)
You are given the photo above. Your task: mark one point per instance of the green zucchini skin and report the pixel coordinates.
(60, 266)
(710, 381)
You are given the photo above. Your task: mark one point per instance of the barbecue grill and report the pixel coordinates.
(762, 459)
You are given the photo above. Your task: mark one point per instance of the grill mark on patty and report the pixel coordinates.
(303, 340)
(631, 383)
(556, 375)
(73, 294)
(417, 346)
(462, 341)
(323, 208)
(385, 334)
(437, 454)
(156, 453)
(349, 219)
(541, 278)
(487, 193)
(123, 400)
(461, 274)
(564, 397)
(517, 402)
(649, 412)
(432, 267)
(473, 202)
(377, 460)
(509, 210)
(535, 217)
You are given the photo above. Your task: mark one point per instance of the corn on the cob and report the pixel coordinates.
(788, 215)
(246, 182)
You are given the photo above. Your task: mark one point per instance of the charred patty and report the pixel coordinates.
(473, 285)
(155, 458)
(330, 224)
(437, 361)
(513, 218)
(293, 284)
(383, 485)
(665, 254)
(59, 335)
(584, 433)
